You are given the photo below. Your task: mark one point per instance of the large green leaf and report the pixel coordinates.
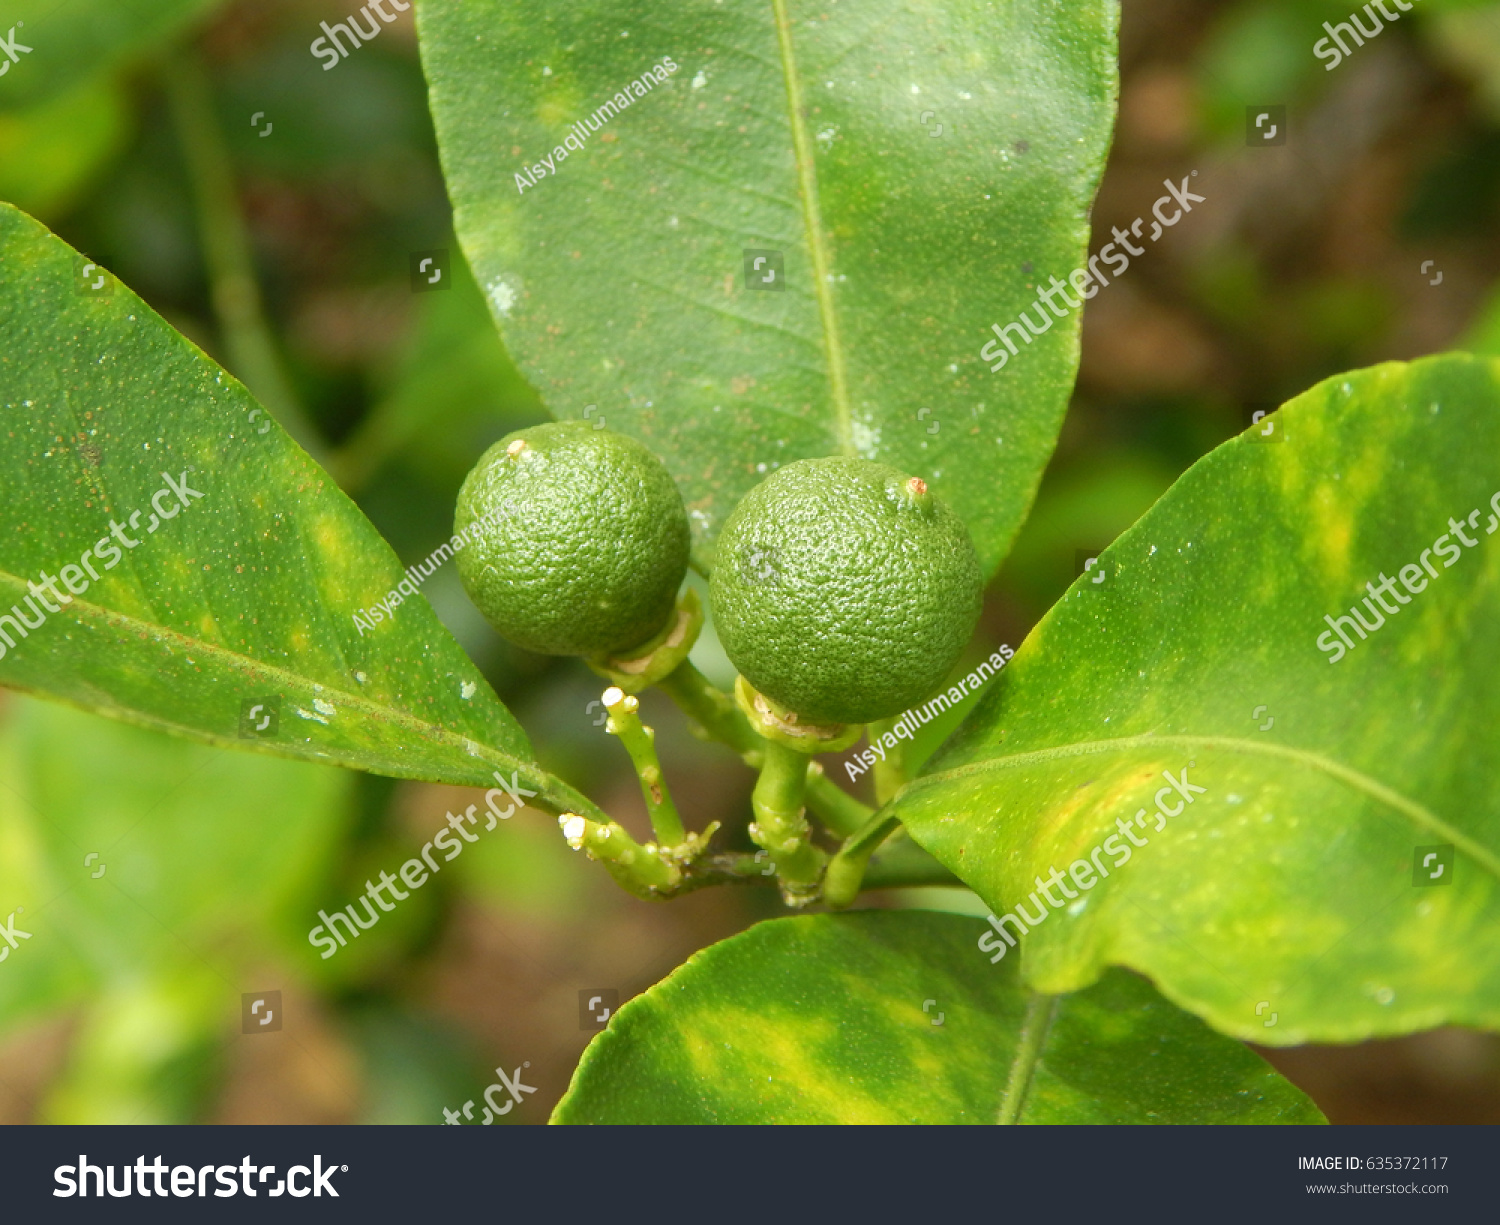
(247, 592)
(896, 1017)
(73, 39)
(1287, 902)
(920, 169)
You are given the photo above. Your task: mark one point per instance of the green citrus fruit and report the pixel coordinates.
(844, 590)
(579, 539)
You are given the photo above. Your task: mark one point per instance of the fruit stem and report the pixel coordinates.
(638, 869)
(721, 718)
(780, 826)
(847, 869)
(713, 709)
(640, 742)
(890, 771)
(832, 805)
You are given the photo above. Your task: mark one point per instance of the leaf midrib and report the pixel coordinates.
(1422, 816)
(99, 615)
(817, 239)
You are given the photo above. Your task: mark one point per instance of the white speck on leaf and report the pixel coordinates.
(502, 295)
(467, 690)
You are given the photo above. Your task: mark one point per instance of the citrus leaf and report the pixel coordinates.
(1293, 899)
(238, 566)
(896, 1017)
(69, 40)
(909, 175)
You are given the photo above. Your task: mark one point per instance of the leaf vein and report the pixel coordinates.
(817, 239)
(89, 615)
(1419, 814)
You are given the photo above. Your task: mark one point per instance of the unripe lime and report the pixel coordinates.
(844, 590)
(581, 539)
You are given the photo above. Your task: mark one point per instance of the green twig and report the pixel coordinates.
(638, 869)
(721, 719)
(640, 742)
(714, 711)
(890, 770)
(900, 863)
(227, 252)
(727, 868)
(832, 805)
(780, 826)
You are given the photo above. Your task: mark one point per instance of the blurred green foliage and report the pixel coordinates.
(149, 878)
